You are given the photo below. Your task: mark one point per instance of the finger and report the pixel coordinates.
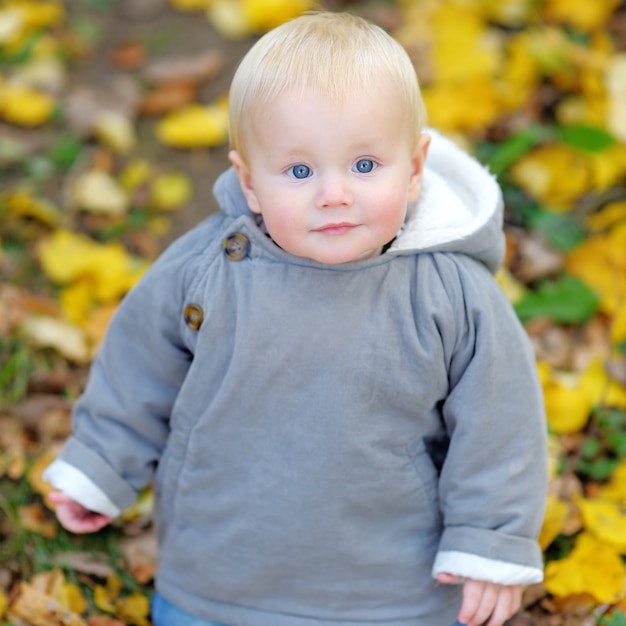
(508, 603)
(77, 519)
(488, 602)
(472, 595)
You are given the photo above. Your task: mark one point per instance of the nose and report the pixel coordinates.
(334, 192)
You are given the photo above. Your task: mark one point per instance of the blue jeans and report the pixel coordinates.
(164, 613)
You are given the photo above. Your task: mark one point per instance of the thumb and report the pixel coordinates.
(57, 497)
(449, 579)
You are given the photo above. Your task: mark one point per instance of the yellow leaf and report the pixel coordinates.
(134, 609)
(116, 132)
(11, 24)
(592, 567)
(447, 104)
(554, 520)
(96, 324)
(35, 475)
(616, 93)
(508, 12)
(4, 603)
(103, 600)
(555, 175)
(67, 257)
(581, 14)
(606, 520)
(194, 126)
(463, 47)
(226, 16)
(135, 174)
(170, 191)
(98, 192)
(610, 215)
(191, 5)
(39, 14)
(263, 15)
(513, 288)
(568, 404)
(615, 488)
(40, 609)
(25, 106)
(600, 262)
(23, 204)
(77, 300)
(602, 389)
(555, 453)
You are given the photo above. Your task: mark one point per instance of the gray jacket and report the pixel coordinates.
(320, 435)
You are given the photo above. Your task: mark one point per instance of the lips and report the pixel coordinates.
(336, 229)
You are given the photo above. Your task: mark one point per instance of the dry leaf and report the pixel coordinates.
(140, 554)
(168, 97)
(192, 69)
(99, 193)
(41, 609)
(128, 55)
(65, 338)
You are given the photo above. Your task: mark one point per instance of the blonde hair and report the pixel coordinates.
(330, 53)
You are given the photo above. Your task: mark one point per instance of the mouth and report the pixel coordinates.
(336, 229)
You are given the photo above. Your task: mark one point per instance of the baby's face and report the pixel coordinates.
(331, 181)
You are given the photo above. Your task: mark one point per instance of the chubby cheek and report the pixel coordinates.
(387, 214)
(283, 226)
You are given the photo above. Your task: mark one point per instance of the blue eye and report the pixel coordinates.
(300, 171)
(364, 166)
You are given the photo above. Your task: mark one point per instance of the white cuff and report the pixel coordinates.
(476, 567)
(76, 485)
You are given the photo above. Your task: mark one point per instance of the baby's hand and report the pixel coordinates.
(483, 600)
(75, 517)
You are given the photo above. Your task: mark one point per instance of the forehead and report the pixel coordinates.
(300, 113)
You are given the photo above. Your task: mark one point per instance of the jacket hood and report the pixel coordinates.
(459, 209)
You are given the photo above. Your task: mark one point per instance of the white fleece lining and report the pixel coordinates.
(480, 568)
(458, 197)
(74, 484)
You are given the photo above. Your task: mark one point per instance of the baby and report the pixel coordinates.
(335, 403)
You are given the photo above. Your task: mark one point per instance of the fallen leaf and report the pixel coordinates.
(592, 567)
(115, 131)
(193, 69)
(99, 193)
(128, 55)
(194, 126)
(65, 338)
(93, 564)
(580, 13)
(133, 609)
(41, 609)
(169, 192)
(555, 517)
(606, 519)
(167, 97)
(25, 106)
(140, 555)
(12, 448)
(33, 517)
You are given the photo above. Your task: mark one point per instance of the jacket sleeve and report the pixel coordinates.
(493, 482)
(121, 421)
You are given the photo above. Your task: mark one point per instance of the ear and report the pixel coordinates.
(245, 180)
(418, 161)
